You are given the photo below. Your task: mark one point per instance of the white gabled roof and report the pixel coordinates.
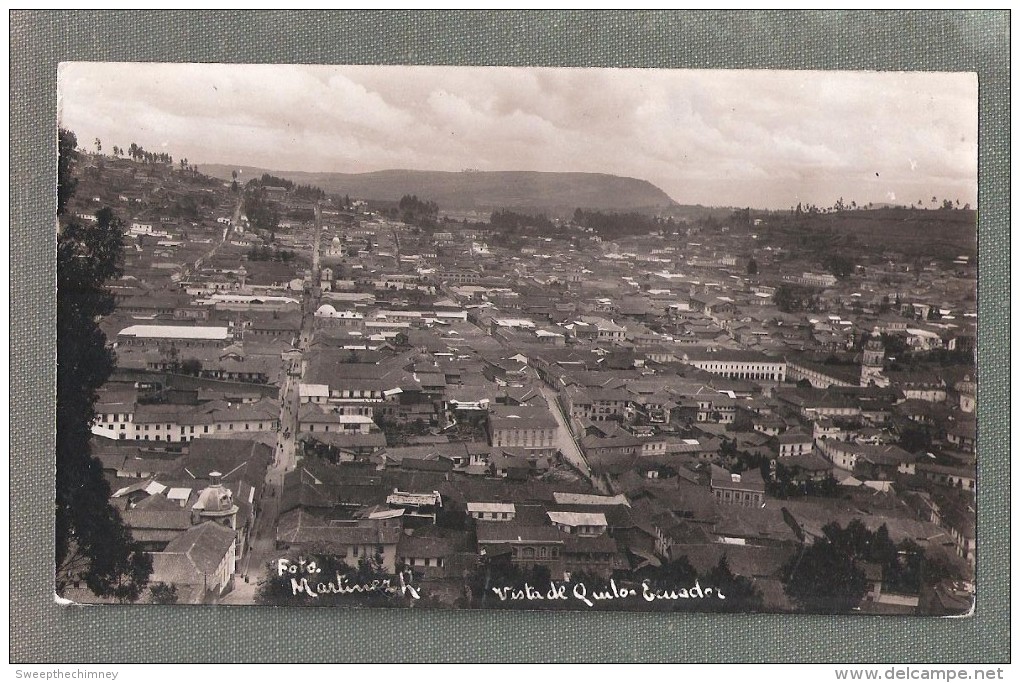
(176, 332)
(578, 518)
(178, 493)
(155, 488)
(491, 507)
(313, 390)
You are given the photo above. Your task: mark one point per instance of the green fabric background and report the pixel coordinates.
(43, 632)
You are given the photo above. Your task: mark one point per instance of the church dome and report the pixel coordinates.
(215, 499)
(325, 310)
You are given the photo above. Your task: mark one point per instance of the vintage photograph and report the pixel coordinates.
(641, 340)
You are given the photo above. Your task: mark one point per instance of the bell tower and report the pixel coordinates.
(873, 361)
(215, 503)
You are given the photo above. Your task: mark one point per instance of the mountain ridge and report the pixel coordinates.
(477, 190)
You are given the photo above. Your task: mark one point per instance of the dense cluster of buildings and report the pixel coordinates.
(591, 405)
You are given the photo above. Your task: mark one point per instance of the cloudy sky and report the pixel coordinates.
(766, 139)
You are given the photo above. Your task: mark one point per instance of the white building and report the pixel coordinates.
(737, 364)
(181, 336)
(493, 512)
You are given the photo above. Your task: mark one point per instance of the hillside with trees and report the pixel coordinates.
(940, 233)
(526, 191)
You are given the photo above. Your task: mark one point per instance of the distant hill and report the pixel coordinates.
(527, 191)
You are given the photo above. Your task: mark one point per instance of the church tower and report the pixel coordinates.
(215, 503)
(872, 362)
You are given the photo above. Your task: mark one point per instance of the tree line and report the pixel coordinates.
(422, 213)
(262, 213)
(510, 221)
(302, 191)
(614, 225)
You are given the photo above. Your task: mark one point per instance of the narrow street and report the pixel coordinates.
(565, 438)
(263, 538)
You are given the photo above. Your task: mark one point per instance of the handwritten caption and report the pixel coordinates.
(580, 592)
(299, 573)
(305, 579)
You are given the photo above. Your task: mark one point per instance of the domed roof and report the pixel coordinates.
(215, 499)
(336, 241)
(325, 309)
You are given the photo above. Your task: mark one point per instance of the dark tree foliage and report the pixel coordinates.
(187, 207)
(509, 228)
(752, 267)
(677, 572)
(163, 593)
(613, 225)
(274, 181)
(499, 571)
(261, 212)
(828, 577)
(191, 366)
(308, 192)
(419, 212)
(66, 182)
(916, 438)
(93, 546)
(137, 153)
(510, 221)
(824, 578)
(265, 253)
(411, 203)
(785, 484)
(791, 298)
(170, 356)
(936, 566)
(741, 217)
(316, 449)
(838, 265)
(741, 595)
(301, 213)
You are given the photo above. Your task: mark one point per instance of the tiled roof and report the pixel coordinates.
(511, 532)
(205, 545)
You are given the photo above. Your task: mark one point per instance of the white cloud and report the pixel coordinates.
(760, 138)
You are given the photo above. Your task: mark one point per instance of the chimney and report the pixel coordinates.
(214, 478)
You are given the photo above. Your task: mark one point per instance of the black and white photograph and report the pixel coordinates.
(515, 338)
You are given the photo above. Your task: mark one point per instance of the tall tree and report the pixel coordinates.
(828, 576)
(68, 155)
(825, 579)
(741, 594)
(93, 546)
